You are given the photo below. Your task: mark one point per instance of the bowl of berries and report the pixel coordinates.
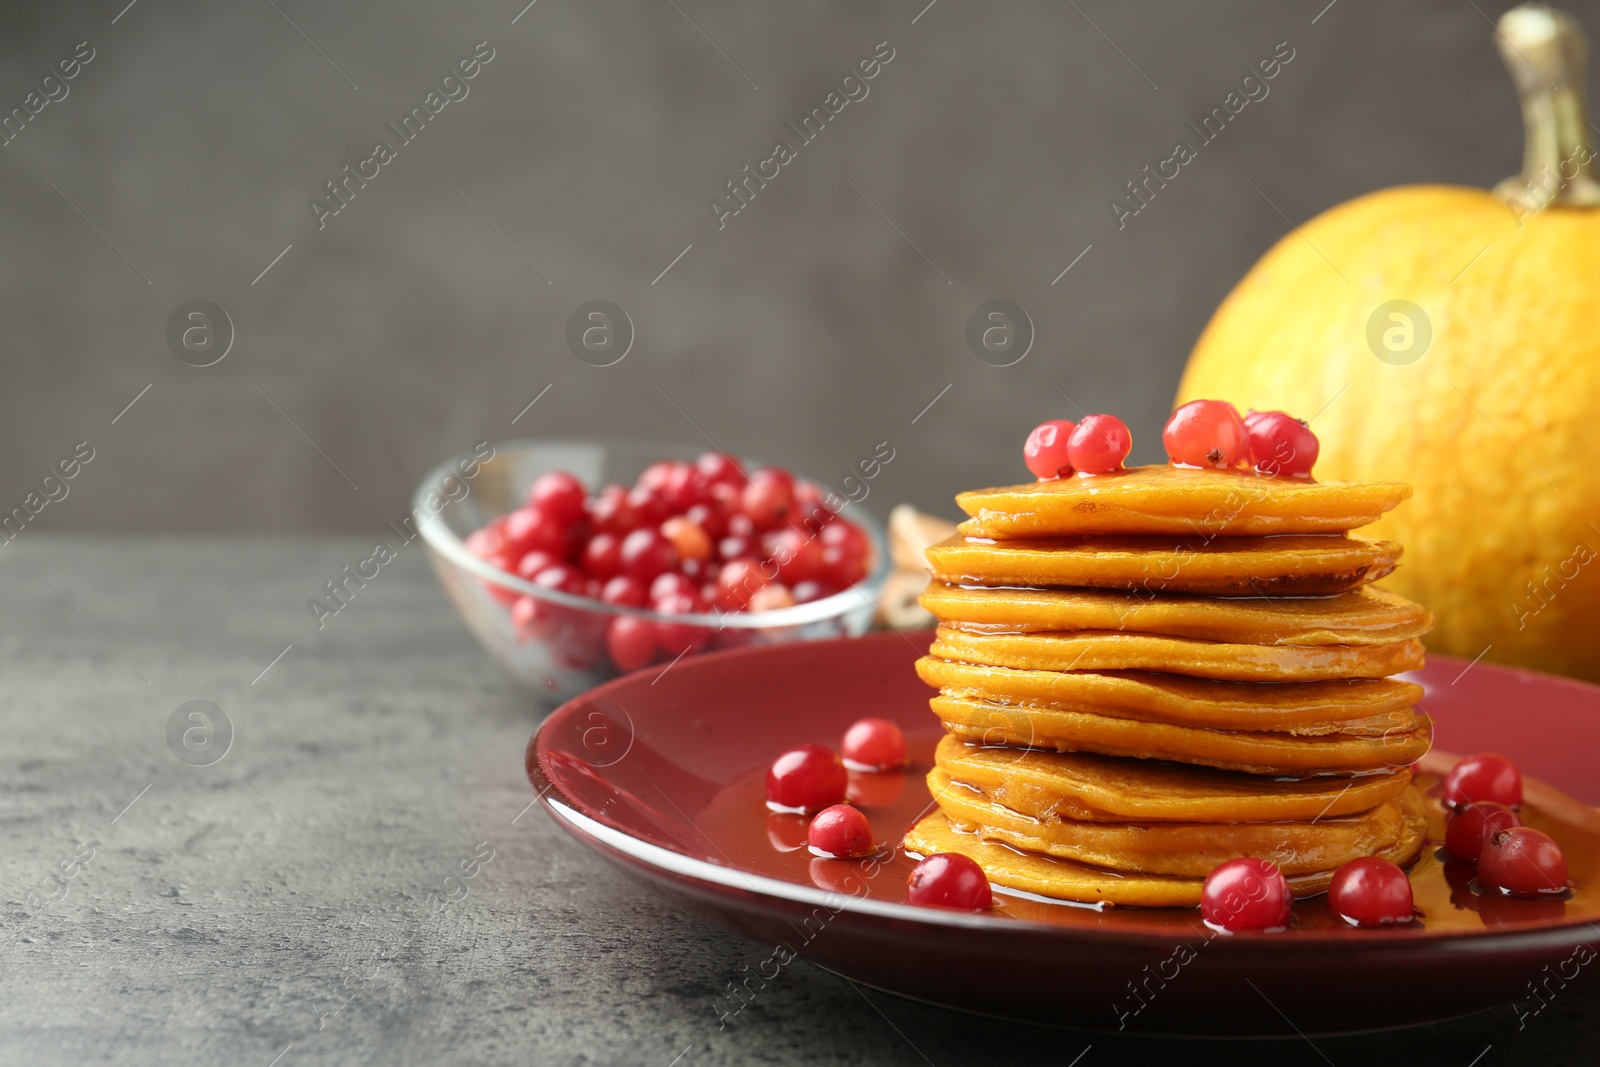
(576, 561)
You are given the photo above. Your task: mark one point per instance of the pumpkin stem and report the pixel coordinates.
(1546, 51)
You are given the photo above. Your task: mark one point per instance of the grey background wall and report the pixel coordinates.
(823, 318)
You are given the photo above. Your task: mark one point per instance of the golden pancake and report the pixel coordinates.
(1060, 879)
(1365, 616)
(1093, 651)
(1312, 565)
(1092, 788)
(1173, 500)
(989, 723)
(1189, 850)
(1291, 706)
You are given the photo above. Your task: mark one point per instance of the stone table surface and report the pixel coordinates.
(282, 905)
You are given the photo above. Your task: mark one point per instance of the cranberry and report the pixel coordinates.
(711, 518)
(739, 525)
(685, 487)
(843, 567)
(625, 591)
(611, 511)
(1469, 827)
(648, 506)
(811, 504)
(645, 554)
(1371, 892)
(630, 642)
(671, 583)
(690, 540)
(679, 638)
(767, 497)
(656, 475)
(602, 556)
(559, 495)
(735, 547)
(840, 831)
(564, 578)
(808, 778)
(529, 566)
(874, 745)
(806, 592)
(1245, 894)
(719, 468)
(846, 536)
(798, 556)
(737, 582)
(1045, 451)
(486, 541)
(530, 529)
(1523, 862)
(1099, 444)
(1281, 444)
(771, 598)
(1206, 433)
(1485, 777)
(950, 880)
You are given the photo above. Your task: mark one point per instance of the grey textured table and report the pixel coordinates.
(277, 902)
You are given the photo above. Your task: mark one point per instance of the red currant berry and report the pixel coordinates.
(1485, 777)
(1045, 451)
(771, 598)
(841, 832)
(874, 745)
(1206, 433)
(671, 583)
(602, 556)
(529, 529)
(737, 582)
(842, 567)
(611, 512)
(767, 497)
(847, 537)
(719, 468)
(1099, 444)
(810, 505)
(1469, 827)
(630, 642)
(563, 578)
(950, 880)
(1281, 445)
(808, 778)
(625, 591)
(1523, 862)
(680, 638)
(529, 566)
(559, 495)
(690, 540)
(645, 554)
(1371, 892)
(735, 547)
(1246, 894)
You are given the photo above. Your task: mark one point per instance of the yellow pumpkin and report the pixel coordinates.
(1450, 337)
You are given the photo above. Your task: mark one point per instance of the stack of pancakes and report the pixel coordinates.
(1142, 675)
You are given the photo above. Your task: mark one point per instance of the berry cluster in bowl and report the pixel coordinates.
(691, 555)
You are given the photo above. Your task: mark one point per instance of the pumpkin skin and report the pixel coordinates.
(1496, 425)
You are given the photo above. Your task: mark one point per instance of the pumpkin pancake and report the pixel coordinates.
(1168, 500)
(1092, 788)
(1365, 616)
(1099, 651)
(1314, 707)
(1310, 565)
(1190, 850)
(1274, 754)
(1009, 868)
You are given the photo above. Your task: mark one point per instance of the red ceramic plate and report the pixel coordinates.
(664, 774)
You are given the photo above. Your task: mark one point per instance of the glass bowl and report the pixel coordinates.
(562, 651)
